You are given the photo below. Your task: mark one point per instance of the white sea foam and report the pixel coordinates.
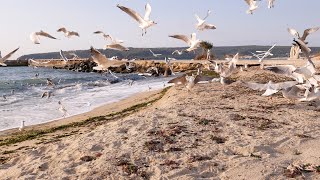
(77, 98)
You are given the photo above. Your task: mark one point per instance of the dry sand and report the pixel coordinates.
(212, 132)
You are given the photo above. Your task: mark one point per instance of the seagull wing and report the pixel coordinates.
(210, 26)
(208, 13)
(198, 18)
(73, 33)
(283, 69)
(42, 33)
(200, 78)
(283, 85)
(2, 60)
(147, 12)
(98, 32)
(63, 56)
(131, 13)
(183, 38)
(309, 31)
(255, 86)
(62, 30)
(248, 2)
(34, 38)
(293, 32)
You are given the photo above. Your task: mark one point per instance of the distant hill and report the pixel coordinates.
(144, 53)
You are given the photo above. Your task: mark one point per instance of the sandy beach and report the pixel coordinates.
(212, 132)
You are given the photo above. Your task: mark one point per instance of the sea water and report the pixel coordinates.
(21, 91)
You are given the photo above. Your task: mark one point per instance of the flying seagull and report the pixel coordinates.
(153, 54)
(36, 39)
(192, 41)
(116, 46)
(145, 22)
(102, 61)
(270, 88)
(67, 33)
(306, 33)
(177, 52)
(107, 36)
(202, 25)
(6, 57)
(252, 6)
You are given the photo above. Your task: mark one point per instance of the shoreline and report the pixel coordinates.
(102, 110)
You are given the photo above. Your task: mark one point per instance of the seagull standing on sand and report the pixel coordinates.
(36, 39)
(189, 81)
(6, 57)
(153, 54)
(252, 6)
(145, 22)
(22, 126)
(67, 33)
(192, 41)
(63, 109)
(202, 25)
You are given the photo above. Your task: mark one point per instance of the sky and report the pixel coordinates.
(20, 18)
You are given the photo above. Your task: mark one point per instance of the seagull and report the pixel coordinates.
(270, 88)
(202, 25)
(168, 63)
(36, 39)
(225, 72)
(263, 54)
(293, 93)
(107, 36)
(287, 70)
(145, 22)
(193, 42)
(67, 33)
(102, 61)
(50, 82)
(190, 81)
(22, 126)
(116, 46)
(177, 52)
(271, 4)
(4, 97)
(155, 55)
(252, 6)
(6, 57)
(306, 32)
(63, 109)
(46, 94)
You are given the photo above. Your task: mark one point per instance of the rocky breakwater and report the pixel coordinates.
(139, 66)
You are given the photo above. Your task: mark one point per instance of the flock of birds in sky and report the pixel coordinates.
(304, 78)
